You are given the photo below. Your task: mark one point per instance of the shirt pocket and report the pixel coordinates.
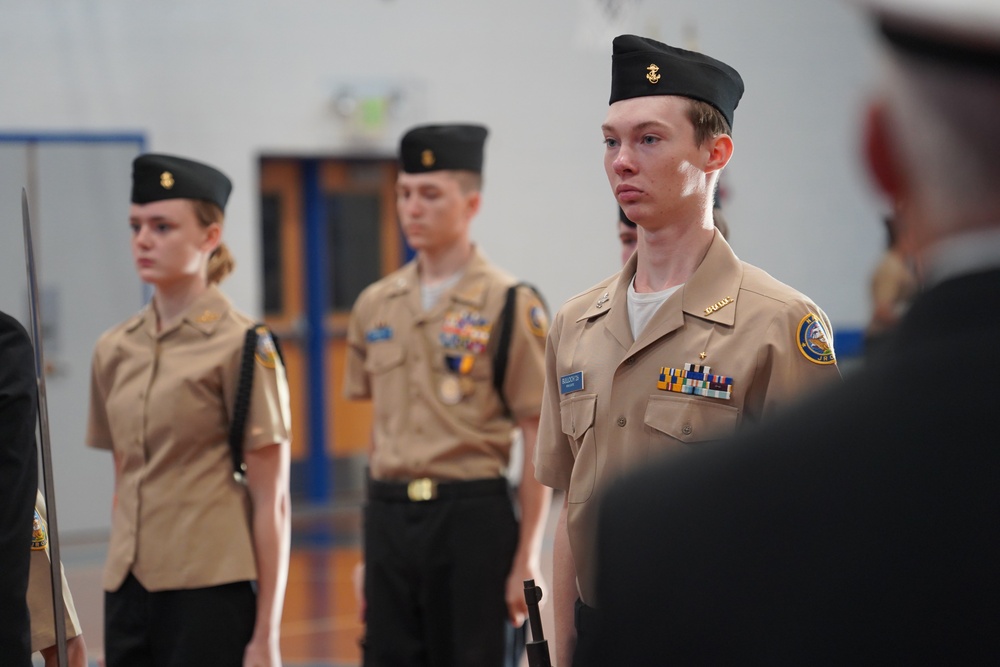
(577, 415)
(386, 372)
(690, 420)
(383, 357)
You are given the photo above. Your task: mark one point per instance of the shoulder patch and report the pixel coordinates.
(266, 353)
(39, 534)
(814, 341)
(538, 319)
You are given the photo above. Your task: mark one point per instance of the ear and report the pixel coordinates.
(213, 237)
(472, 202)
(879, 153)
(720, 150)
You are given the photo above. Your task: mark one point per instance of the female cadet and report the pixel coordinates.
(197, 562)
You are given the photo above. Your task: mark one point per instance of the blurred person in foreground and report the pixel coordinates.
(18, 485)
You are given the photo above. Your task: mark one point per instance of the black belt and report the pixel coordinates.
(423, 489)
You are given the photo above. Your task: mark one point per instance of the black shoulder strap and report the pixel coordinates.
(506, 332)
(242, 406)
(244, 389)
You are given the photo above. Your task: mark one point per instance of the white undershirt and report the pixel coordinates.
(431, 294)
(642, 306)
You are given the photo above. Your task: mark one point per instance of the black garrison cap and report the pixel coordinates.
(156, 177)
(641, 66)
(434, 147)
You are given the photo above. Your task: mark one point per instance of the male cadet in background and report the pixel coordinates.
(18, 485)
(859, 528)
(445, 558)
(687, 343)
(627, 234)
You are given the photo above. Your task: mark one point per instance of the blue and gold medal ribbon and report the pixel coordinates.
(460, 363)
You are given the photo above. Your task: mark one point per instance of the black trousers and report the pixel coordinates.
(435, 581)
(200, 627)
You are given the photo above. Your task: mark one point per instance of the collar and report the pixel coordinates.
(471, 289)
(711, 292)
(204, 314)
(708, 293)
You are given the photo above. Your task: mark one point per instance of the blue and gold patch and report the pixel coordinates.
(39, 534)
(266, 353)
(538, 320)
(814, 341)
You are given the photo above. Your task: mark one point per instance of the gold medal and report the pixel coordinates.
(451, 390)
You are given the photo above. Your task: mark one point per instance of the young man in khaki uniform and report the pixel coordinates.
(687, 343)
(445, 558)
(859, 527)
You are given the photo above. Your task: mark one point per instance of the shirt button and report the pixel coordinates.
(621, 421)
(686, 429)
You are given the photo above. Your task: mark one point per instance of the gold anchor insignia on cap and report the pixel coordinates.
(427, 158)
(166, 180)
(653, 76)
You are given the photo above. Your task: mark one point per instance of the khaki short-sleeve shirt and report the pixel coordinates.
(611, 403)
(430, 373)
(43, 626)
(163, 401)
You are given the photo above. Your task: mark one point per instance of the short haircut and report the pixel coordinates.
(468, 181)
(707, 120)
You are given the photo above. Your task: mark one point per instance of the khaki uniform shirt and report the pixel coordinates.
(770, 340)
(43, 626)
(430, 373)
(163, 402)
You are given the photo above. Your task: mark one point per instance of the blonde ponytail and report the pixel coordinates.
(220, 264)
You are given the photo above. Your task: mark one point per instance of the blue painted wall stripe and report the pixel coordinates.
(318, 482)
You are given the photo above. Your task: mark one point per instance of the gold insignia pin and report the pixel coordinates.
(207, 316)
(719, 304)
(702, 355)
(166, 180)
(427, 158)
(603, 300)
(653, 76)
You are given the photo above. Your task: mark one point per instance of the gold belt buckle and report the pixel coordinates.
(422, 489)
